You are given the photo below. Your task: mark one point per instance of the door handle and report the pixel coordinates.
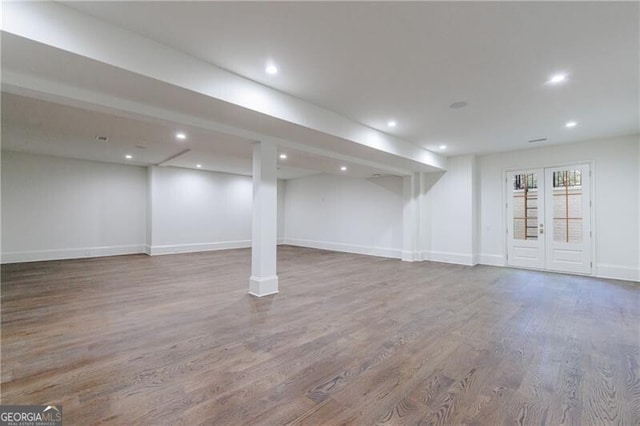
(541, 228)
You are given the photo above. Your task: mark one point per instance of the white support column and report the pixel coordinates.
(264, 280)
(150, 208)
(411, 217)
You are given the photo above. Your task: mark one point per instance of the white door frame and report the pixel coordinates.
(592, 194)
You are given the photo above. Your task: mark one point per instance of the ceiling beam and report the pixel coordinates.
(38, 88)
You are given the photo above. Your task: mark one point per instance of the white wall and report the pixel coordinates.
(615, 197)
(345, 214)
(450, 206)
(193, 210)
(57, 208)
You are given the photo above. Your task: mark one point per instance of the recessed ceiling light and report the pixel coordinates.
(458, 105)
(271, 69)
(343, 168)
(442, 147)
(571, 124)
(199, 166)
(283, 156)
(128, 156)
(557, 78)
(181, 136)
(391, 123)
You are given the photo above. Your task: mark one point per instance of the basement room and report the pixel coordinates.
(320, 213)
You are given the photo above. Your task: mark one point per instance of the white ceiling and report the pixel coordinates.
(47, 128)
(375, 61)
(361, 62)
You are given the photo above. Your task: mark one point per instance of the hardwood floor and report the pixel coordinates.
(349, 340)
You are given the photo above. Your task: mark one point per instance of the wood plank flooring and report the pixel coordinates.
(349, 339)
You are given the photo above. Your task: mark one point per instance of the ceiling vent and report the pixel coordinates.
(102, 138)
(537, 140)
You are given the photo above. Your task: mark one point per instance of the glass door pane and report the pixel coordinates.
(525, 206)
(567, 206)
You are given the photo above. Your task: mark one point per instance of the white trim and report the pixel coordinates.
(411, 256)
(191, 248)
(449, 257)
(75, 253)
(550, 165)
(614, 272)
(346, 248)
(493, 259)
(618, 272)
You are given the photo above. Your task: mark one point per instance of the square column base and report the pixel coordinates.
(263, 286)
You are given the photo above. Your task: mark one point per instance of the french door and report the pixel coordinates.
(549, 218)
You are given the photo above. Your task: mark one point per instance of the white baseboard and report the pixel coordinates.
(411, 256)
(346, 248)
(75, 253)
(448, 257)
(492, 260)
(190, 248)
(617, 272)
